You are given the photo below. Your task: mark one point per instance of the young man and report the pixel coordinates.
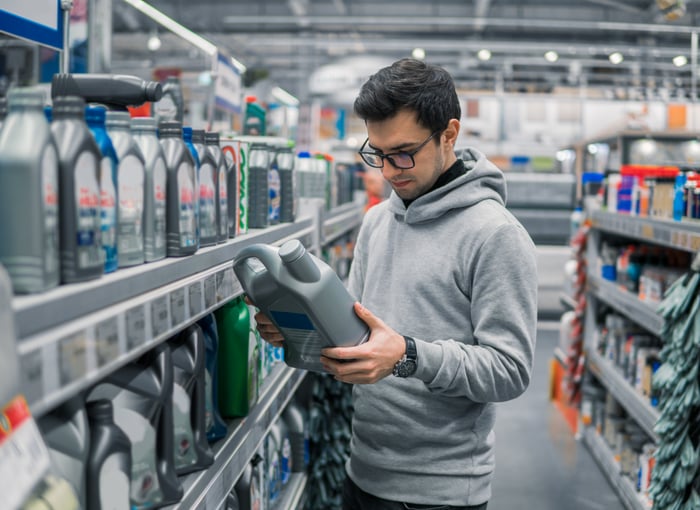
(447, 281)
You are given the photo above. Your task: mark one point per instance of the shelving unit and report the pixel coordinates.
(567, 301)
(293, 493)
(339, 221)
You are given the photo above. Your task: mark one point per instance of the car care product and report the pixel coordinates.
(180, 194)
(212, 145)
(255, 122)
(237, 368)
(303, 297)
(29, 191)
(80, 223)
(274, 186)
(48, 113)
(243, 185)
(115, 91)
(208, 174)
(232, 502)
(191, 449)
(130, 182)
(248, 488)
(259, 186)
(229, 148)
(3, 109)
(66, 433)
(305, 175)
(108, 466)
(141, 393)
(298, 428)
(215, 425)
(171, 105)
(144, 130)
(273, 474)
(9, 364)
(284, 445)
(52, 493)
(187, 138)
(109, 201)
(284, 158)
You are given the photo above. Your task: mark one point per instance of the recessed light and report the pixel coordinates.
(551, 56)
(680, 60)
(484, 55)
(418, 53)
(616, 57)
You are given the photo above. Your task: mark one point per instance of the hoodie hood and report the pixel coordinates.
(482, 181)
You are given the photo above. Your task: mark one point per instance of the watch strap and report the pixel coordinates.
(411, 351)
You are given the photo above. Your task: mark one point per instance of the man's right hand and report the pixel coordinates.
(268, 331)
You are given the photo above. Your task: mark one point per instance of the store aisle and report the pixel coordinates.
(539, 463)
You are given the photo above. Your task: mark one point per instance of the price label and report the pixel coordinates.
(648, 232)
(225, 287)
(209, 291)
(107, 341)
(32, 375)
(160, 316)
(694, 244)
(72, 354)
(135, 327)
(177, 306)
(195, 292)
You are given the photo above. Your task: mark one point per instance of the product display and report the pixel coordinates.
(215, 425)
(259, 186)
(212, 142)
(207, 176)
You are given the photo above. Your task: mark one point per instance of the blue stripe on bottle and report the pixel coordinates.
(292, 320)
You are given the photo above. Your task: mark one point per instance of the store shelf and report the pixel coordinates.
(567, 301)
(206, 490)
(634, 403)
(340, 221)
(560, 356)
(626, 303)
(604, 457)
(682, 235)
(293, 493)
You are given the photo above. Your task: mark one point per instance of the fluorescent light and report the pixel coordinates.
(483, 55)
(616, 57)
(418, 53)
(551, 56)
(284, 96)
(154, 43)
(680, 60)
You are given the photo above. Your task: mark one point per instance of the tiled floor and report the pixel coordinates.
(539, 463)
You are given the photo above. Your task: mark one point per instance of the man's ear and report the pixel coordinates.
(452, 132)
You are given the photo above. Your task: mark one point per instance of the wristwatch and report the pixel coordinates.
(406, 366)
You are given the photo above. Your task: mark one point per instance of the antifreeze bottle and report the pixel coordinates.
(208, 176)
(222, 169)
(29, 190)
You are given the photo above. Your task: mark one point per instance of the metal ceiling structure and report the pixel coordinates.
(290, 40)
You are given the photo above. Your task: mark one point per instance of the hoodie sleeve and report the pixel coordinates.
(504, 317)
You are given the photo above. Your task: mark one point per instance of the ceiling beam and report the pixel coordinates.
(617, 4)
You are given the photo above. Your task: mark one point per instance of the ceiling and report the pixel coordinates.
(289, 41)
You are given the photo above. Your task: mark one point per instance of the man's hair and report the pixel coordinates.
(413, 85)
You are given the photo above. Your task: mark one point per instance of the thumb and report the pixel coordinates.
(368, 317)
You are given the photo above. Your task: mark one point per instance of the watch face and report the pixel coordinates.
(407, 368)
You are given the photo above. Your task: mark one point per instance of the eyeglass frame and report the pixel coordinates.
(410, 154)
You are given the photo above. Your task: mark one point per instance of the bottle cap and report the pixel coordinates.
(212, 138)
(118, 120)
(291, 250)
(100, 410)
(144, 123)
(68, 107)
(170, 128)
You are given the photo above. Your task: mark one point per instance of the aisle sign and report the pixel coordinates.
(227, 89)
(39, 21)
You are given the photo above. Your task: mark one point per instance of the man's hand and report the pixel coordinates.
(371, 361)
(268, 331)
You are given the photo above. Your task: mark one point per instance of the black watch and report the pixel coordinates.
(406, 366)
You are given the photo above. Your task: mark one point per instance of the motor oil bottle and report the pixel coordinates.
(3, 109)
(237, 368)
(190, 448)
(273, 474)
(79, 158)
(215, 425)
(232, 502)
(144, 130)
(66, 433)
(274, 186)
(171, 105)
(229, 148)
(304, 174)
(117, 91)
(303, 297)
(208, 176)
(109, 200)
(248, 487)
(52, 493)
(285, 166)
(298, 429)
(284, 446)
(108, 466)
(259, 186)
(9, 362)
(130, 182)
(255, 118)
(142, 395)
(187, 138)
(180, 193)
(243, 185)
(29, 190)
(212, 144)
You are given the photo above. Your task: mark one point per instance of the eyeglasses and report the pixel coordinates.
(403, 160)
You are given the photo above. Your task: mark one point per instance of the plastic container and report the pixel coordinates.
(3, 109)
(274, 186)
(80, 224)
(114, 90)
(259, 187)
(29, 195)
(9, 364)
(303, 297)
(155, 188)
(207, 176)
(215, 425)
(248, 487)
(212, 143)
(243, 147)
(171, 105)
(187, 138)
(229, 149)
(298, 429)
(255, 118)
(109, 199)
(288, 195)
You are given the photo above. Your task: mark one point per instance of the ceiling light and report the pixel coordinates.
(484, 55)
(551, 56)
(418, 53)
(680, 60)
(616, 57)
(154, 43)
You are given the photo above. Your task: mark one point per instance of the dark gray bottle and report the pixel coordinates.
(180, 218)
(3, 109)
(285, 167)
(258, 186)
(130, 182)
(82, 257)
(213, 147)
(208, 229)
(29, 192)
(108, 466)
(155, 186)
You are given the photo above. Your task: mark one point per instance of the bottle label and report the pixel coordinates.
(188, 232)
(252, 365)
(243, 191)
(184, 453)
(113, 485)
(49, 174)
(88, 220)
(131, 185)
(286, 464)
(159, 204)
(207, 201)
(223, 202)
(208, 401)
(108, 204)
(273, 185)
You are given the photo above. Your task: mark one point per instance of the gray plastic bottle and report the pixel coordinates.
(285, 167)
(180, 218)
(298, 437)
(9, 363)
(303, 297)
(258, 186)
(3, 109)
(131, 183)
(29, 194)
(108, 466)
(144, 130)
(232, 502)
(82, 257)
(208, 175)
(249, 488)
(213, 147)
(190, 446)
(66, 433)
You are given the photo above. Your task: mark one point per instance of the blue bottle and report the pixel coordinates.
(215, 424)
(109, 199)
(187, 137)
(679, 198)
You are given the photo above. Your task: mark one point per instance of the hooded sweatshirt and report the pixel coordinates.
(457, 272)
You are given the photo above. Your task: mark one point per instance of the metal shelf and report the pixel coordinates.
(560, 356)
(682, 235)
(604, 457)
(634, 403)
(626, 303)
(567, 301)
(206, 490)
(293, 493)
(339, 221)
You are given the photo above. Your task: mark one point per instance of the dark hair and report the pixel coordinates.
(410, 84)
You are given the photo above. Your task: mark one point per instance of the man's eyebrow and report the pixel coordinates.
(395, 148)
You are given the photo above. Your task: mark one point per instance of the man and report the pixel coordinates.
(447, 281)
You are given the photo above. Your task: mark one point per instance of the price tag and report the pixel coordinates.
(225, 285)
(648, 232)
(160, 316)
(107, 341)
(135, 327)
(209, 291)
(195, 292)
(72, 354)
(177, 306)
(24, 459)
(694, 244)
(32, 375)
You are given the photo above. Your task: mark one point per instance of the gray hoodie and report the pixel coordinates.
(456, 271)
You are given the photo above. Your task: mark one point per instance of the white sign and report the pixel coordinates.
(39, 21)
(228, 88)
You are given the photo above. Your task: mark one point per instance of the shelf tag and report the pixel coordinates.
(107, 341)
(72, 353)
(209, 291)
(224, 284)
(32, 375)
(195, 292)
(135, 327)
(160, 316)
(177, 306)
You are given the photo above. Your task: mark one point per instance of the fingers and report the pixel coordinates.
(364, 371)
(368, 317)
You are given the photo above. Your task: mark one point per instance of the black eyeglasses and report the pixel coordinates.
(403, 160)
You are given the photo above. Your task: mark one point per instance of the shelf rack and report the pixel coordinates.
(340, 221)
